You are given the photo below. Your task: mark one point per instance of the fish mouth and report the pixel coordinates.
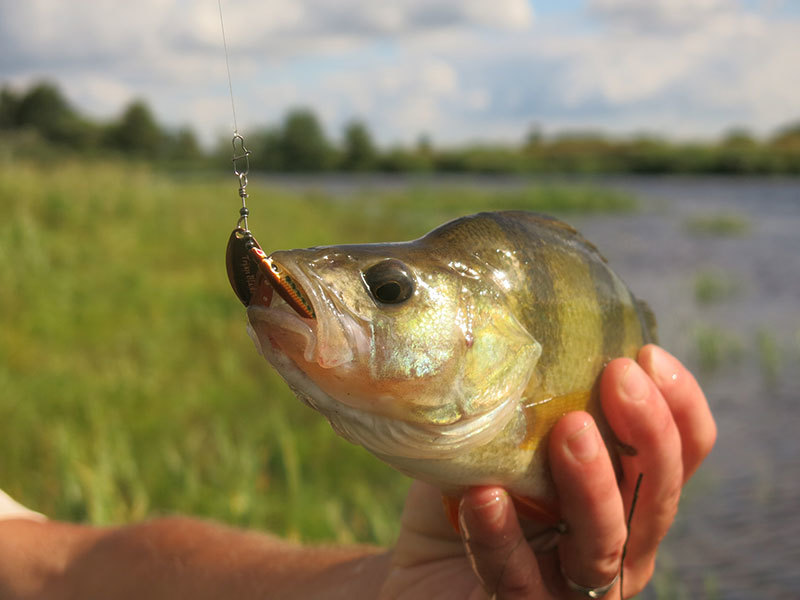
(271, 317)
(296, 316)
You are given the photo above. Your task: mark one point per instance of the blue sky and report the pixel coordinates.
(457, 70)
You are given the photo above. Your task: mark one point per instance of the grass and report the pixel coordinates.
(769, 354)
(715, 347)
(726, 224)
(129, 386)
(714, 286)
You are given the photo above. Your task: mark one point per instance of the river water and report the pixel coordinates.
(738, 532)
(737, 535)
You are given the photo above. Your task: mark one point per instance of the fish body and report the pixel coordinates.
(451, 357)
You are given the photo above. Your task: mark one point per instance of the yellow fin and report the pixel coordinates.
(451, 510)
(536, 510)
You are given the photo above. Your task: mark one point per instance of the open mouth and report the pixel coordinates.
(280, 307)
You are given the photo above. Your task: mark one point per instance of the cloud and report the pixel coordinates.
(303, 27)
(724, 67)
(655, 15)
(59, 34)
(456, 69)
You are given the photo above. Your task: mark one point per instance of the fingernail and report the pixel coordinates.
(663, 366)
(633, 387)
(492, 510)
(482, 517)
(583, 444)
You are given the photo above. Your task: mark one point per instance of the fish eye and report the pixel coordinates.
(389, 281)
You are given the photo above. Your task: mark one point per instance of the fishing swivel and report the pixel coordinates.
(241, 168)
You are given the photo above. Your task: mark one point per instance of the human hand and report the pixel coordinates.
(11, 509)
(653, 405)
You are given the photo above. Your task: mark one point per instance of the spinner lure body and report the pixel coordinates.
(248, 265)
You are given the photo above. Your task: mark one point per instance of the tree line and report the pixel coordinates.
(300, 144)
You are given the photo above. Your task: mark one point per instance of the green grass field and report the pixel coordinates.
(128, 385)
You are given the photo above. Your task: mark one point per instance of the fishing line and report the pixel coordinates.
(227, 66)
(241, 155)
(628, 537)
(247, 264)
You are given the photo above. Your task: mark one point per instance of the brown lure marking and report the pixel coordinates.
(242, 270)
(288, 289)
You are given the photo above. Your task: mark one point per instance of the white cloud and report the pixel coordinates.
(456, 69)
(732, 62)
(653, 15)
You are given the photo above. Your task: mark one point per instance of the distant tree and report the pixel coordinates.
(137, 132)
(788, 137)
(402, 160)
(9, 105)
(303, 145)
(785, 149)
(266, 146)
(183, 146)
(44, 109)
(739, 138)
(424, 145)
(534, 138)
(359, 152)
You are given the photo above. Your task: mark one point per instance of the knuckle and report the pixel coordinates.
(707, 442)
(672, 497)
(637, 576)
(666, 509)
(516, 585)
(606, 560)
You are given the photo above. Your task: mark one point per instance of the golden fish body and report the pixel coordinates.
(452, 356)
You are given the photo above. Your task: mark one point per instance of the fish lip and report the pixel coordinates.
(330, 339)
(264, 318)
(268, 310)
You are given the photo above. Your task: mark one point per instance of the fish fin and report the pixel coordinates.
(528, 508)
(451, 510)
(561, 227)
(537, 510)
(648, 321)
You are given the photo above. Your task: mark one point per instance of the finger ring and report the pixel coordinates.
(597, 592)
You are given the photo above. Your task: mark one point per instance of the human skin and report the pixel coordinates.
(654, 405)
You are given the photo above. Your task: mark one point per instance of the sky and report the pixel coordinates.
(457, 71)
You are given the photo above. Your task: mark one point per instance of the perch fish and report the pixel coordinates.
(452, 356)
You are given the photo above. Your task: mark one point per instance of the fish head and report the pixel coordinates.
(411, 353)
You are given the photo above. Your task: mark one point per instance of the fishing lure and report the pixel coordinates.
(247, 264)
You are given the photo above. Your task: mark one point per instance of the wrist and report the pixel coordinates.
(36, 553)
(352, 578)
